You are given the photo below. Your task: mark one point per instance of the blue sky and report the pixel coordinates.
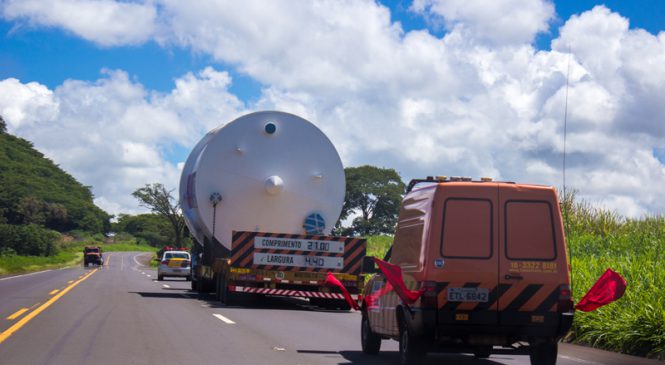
(50, 56)
(467, 88)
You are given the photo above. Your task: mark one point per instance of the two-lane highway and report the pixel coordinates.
(120, 314)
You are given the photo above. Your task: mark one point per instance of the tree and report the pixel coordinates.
(3, 125)
(375, 194)
(160, 201)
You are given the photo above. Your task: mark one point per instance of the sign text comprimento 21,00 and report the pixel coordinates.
(298, 244)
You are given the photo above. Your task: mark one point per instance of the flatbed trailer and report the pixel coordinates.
(288, 265)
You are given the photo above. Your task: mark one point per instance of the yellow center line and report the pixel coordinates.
(71, 281)
(23, 321)
(53, 291)
(17, 314)
(108, 260)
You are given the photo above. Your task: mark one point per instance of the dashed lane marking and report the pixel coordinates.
(17, 314)
(147, 275)
(166, 285)
(22, 322)
(223, 319)
(53, 291)
(71, 281)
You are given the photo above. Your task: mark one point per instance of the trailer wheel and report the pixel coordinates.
(227, 297)
(544, 353)
(370, 341)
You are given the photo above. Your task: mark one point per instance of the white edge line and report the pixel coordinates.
(223, 319)
(19, 276)
(579, 360)
(140, 254)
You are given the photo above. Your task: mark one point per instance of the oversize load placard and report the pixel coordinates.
(298, 244)
(277, 259)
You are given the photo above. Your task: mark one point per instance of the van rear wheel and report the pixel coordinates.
(411, 351)
(544, 353)
(483, 352)
(370, 341)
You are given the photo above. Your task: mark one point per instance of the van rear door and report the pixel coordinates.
(532, 264)
(465, 263)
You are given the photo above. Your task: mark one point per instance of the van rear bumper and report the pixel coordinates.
(511, 324)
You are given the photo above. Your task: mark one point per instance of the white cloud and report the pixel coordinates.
(105, 22)
(480, 101)
(24, 104)
(113, 134)
(497, 21)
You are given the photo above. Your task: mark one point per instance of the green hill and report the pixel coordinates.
(34, 190)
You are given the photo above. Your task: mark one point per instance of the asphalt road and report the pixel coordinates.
(120, 314)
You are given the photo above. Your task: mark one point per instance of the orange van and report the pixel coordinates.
(490, 260)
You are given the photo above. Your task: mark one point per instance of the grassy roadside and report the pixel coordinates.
(70, 254)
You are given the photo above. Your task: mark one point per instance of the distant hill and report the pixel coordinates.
(35, 190)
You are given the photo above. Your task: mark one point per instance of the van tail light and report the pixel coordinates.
(186, 263)
(165, 262)
(565, 299)
(429, 296)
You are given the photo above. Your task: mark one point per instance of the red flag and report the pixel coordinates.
(609, 287)
(331, 280)
(393, 274)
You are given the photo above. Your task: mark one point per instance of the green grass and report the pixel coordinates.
(20, 264)
(69, 254)
(124, 247)
(635, 248)
(378, 245)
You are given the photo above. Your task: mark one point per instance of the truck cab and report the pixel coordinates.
(92, 255)
(490, 259)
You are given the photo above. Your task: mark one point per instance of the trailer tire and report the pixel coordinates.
(227, 297)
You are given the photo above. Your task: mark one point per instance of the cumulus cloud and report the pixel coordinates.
(112, 133)
(105, 22)
(498, 22)
(478, 101)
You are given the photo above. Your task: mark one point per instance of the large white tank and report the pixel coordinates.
(274, 172)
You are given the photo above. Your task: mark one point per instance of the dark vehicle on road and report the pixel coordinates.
(92, 255)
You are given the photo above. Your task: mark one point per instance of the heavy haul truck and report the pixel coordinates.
(260, 196)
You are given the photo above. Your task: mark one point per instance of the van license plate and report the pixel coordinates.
(468, 294)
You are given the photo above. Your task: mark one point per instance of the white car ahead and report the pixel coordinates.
(175, 263)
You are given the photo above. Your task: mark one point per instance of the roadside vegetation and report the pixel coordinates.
(69, 252)
(598, 239)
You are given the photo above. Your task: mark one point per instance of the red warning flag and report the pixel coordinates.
(393, 274)
(331, 280)
(609, 287)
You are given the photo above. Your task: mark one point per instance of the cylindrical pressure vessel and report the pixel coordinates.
(265, 172)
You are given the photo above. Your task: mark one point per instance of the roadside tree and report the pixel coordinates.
(374, 194)
(160, 201)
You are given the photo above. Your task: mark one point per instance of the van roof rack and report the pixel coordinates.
(429, 179)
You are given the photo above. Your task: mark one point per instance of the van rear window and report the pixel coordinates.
(467, 228)
(529, 231)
